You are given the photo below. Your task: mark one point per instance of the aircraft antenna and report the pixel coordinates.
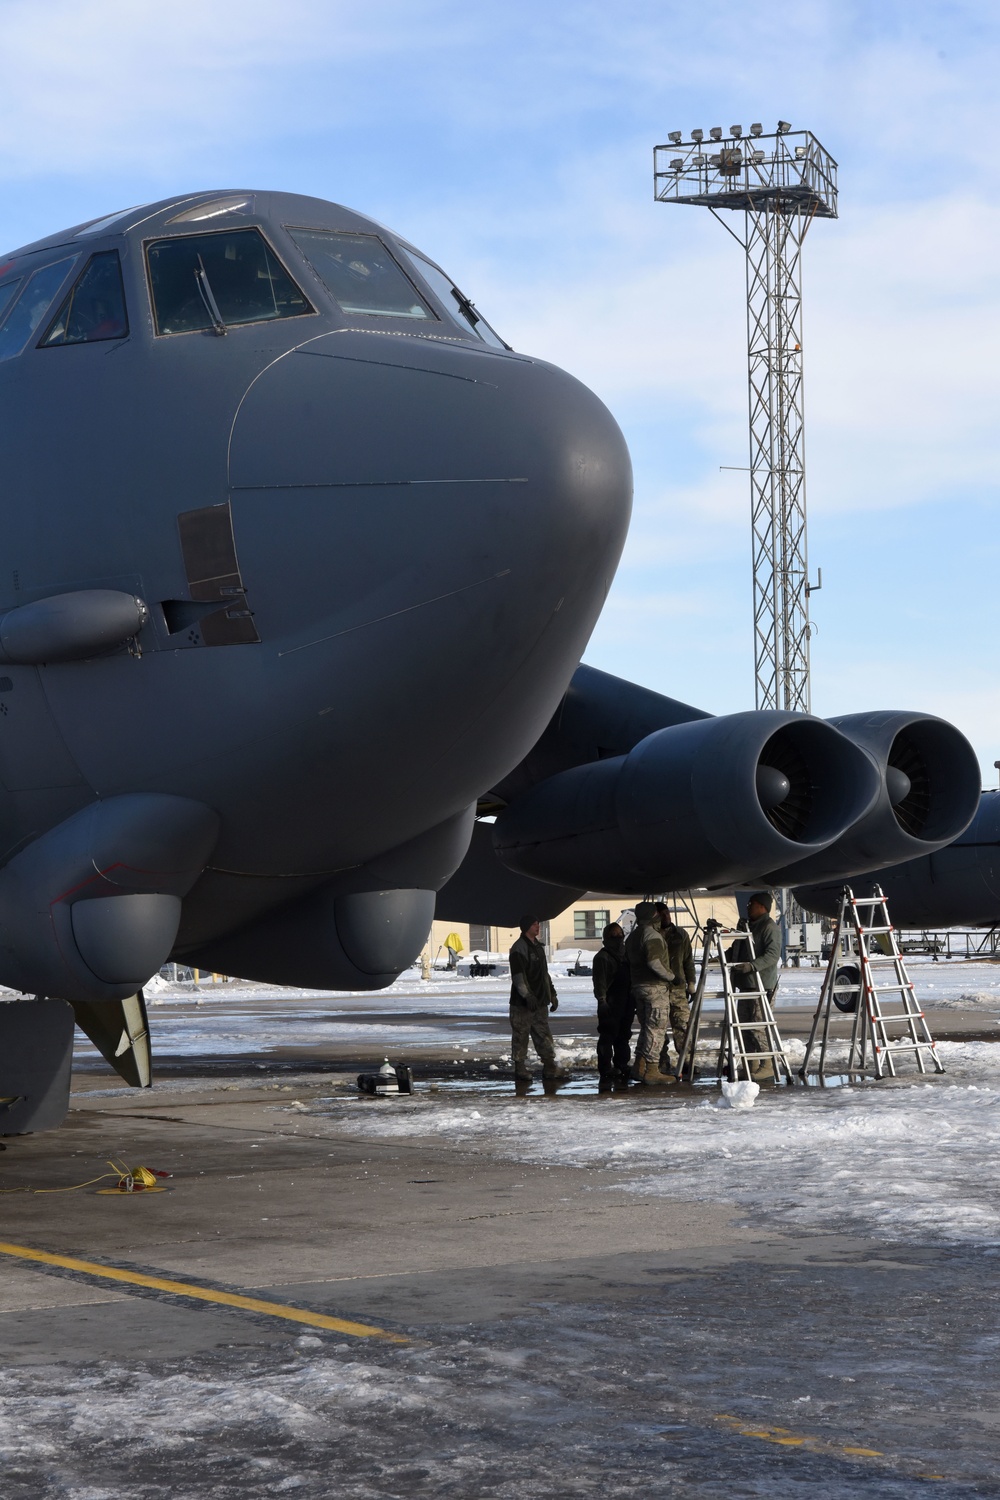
(780, 182)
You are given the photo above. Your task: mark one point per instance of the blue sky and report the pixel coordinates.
(513, 141)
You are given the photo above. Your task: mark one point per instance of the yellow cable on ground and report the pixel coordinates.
(76, 1186)
(142, 1179)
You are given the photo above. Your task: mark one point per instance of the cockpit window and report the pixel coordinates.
(28, 310)
(7, 294)
(95, 307)
(361, 274)
(458, 304)
(219, 280)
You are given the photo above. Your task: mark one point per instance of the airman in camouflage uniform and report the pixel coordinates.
(680, 958)
(652, 977)
(532, 996)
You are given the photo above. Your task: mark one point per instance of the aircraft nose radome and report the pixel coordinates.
(369, 471)
(426, 534)
(349, 409)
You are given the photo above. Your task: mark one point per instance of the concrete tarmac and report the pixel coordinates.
(562, 1333)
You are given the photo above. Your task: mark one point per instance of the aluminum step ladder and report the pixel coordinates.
(866, 976)
(735, 1059)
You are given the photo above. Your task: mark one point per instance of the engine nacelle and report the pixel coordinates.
(712, 802)
(958, 886)
(930, 783)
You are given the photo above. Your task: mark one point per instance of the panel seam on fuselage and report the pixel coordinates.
(393, 614)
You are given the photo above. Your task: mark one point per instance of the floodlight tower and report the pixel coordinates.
(780, 182)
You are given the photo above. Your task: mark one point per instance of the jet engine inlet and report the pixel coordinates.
(699, 803)
(930, 792)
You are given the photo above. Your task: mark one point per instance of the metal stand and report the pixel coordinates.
(734, 1058)
(876, 1004)
(780, 182)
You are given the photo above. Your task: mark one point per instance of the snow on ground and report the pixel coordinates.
(915, 1157)
(912, 1158)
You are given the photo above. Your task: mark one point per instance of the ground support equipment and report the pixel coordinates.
(866, 976)
(735, 1061)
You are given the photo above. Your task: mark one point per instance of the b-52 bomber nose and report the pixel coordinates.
(410, 512)
(317, 535)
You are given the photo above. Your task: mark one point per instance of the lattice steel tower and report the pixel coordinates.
(781, 182)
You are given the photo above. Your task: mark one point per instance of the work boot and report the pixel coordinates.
(653, 1075)
(521, 1075)
(638, 1070)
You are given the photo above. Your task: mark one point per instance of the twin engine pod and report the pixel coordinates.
(714, 802)
(929, 792)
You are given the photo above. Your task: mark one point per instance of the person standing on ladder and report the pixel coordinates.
(766, 953)
(652, 976)
(681, 960)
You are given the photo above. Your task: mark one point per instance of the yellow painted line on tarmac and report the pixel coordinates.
(785, 1438)
(201, 1293)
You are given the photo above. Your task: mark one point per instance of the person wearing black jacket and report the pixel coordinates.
(615, 1008)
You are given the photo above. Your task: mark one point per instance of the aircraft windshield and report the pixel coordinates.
(29, 309)
(461, 309)
(95, 307)
(360, 273)
(246, 281)
(7, 294)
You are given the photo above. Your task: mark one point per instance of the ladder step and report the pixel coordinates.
(904, 1043)
(892, 1051)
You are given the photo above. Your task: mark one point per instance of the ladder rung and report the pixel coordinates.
(908, 1047)
(907, 1043)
